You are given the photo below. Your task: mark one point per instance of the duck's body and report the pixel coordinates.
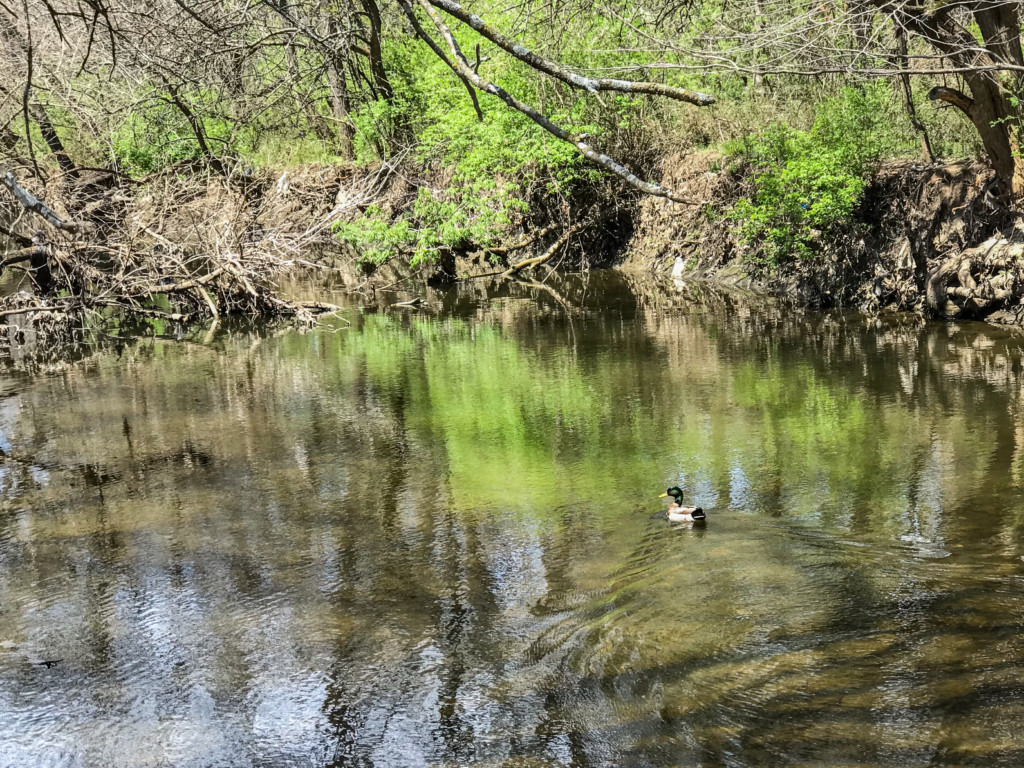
(677, 513)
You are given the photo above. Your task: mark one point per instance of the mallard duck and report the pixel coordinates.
(677, 513)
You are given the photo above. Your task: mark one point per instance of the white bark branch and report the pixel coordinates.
(562, 73)
(457, 61)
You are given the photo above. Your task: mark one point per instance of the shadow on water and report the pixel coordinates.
(428, 537)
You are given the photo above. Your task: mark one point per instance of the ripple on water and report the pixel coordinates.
(432, 541)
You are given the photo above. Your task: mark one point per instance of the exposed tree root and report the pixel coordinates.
(980, 280)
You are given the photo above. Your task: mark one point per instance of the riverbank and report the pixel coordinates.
(928, 239)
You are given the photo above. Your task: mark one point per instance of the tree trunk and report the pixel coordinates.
(52, 140)
(340, 106)
(991, 117)
(1000, 28)
(313, 118)
(340, 103)
(12, 37)
(380, 75)
(989, 107)
(39, 264)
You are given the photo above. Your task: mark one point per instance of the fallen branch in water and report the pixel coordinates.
(526, 242)
(187, 285)
(33, 308)
(179, 317)
(319, 306)
(23, 254)
(555, 248)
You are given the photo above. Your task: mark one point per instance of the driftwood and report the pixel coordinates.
(34, 205)
(149, 290)
(34, 308)
(525, 242)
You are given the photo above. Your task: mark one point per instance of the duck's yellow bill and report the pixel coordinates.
(663, 496)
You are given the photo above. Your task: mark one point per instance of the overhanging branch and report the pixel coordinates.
(960, 100)
(459, 64)
(443, 57)
(562, 73)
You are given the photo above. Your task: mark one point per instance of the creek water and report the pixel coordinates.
(430, 537)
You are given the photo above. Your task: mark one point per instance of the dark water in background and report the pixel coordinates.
(428, 538)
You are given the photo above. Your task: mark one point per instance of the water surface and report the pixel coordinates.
(429, 538)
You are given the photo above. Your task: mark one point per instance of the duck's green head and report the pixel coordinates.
(676, 493)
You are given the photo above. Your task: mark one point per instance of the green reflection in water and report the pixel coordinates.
(431, 540)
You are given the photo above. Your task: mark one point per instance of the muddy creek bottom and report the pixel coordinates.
(431, 537)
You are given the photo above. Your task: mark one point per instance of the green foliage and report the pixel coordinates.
(475, 216)
(378, 124)
(493, 165)
(152, 138)
(275, 151)
(155, 133)
(810, 182)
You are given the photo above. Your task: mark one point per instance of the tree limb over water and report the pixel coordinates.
(461, 66)
(565, 74)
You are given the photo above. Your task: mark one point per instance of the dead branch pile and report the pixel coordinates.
(174, 246)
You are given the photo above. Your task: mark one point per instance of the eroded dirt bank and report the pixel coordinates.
(929, 239)
(932, 239)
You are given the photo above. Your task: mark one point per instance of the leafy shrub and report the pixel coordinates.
(810, 182)
(153, 138)
(155, 134)
(496, 164)
(435, 220)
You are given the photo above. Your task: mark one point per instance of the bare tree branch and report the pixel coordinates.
(461, 66)
(31, 203)
(563, 73)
